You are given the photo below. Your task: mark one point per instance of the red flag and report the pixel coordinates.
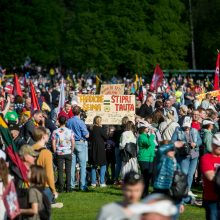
(17, 86)
(157, 78)
(34, 100)
(10, 200)
(216, 79)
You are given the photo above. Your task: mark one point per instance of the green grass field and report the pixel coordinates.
(85, 205)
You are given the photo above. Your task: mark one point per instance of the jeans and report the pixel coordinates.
(49, 194)
(212, 210)
(188, 166)
(102, 174)
(79, 154)
(118, 163)
(68, 162)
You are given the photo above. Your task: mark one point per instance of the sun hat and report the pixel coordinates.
(207, 122)
(26, 149)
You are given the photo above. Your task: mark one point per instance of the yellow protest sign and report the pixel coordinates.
(112, 89)
(112, 108)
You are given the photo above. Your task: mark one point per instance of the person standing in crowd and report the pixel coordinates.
(128, 147)
(188, 96)
(63, 143)
(17, 137)
(167, 127)
(182, 114)
(132, 190)
(11, 116)
(188, 158)
(209, 163)
(97, 153)
(146, 109)
(30, 125)
(45, 159)
(196, 120)
(207, 126)
(168, 107)
(66, 111)
(146, 153)
(80, 152)
(37, 181)
(206, 102)
(118, 159)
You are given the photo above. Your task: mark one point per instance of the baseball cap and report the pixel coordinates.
(27, 149)
(216, 139)
(13, 127)
(207, 122)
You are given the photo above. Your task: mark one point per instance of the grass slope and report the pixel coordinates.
(85, 205)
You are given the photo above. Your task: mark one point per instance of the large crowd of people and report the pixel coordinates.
(174, 135)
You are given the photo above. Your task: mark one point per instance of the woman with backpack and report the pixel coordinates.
(40, 208)
(166, 165)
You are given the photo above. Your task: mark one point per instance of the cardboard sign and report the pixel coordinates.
(212, 93)
(112, 89)
(112, 108)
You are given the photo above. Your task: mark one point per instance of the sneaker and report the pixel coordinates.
(93, 185)
(190, 193)
(103, 185)
(58, 205)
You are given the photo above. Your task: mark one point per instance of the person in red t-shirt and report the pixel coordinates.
(66, 111)
(209, 163)
(195, 120)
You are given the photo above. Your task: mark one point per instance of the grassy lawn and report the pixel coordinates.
(85, 205)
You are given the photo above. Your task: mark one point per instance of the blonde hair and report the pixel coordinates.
(97, 120)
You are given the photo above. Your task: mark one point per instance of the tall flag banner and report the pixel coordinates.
(17, 86)
(216, 79)
(136, 81)
(157, 78)
(62, 97)
(11, 149)
(97, 82)
(140, 94)
(34, 100)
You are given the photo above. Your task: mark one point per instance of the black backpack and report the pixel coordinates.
(217, 181)
(45, 212)
(179, 188)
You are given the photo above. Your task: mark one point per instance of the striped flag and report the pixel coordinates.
(11, 149)
(62, 97)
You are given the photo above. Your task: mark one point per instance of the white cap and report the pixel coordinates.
(207, 122)
(144, 124)
(163, 207)
(216, 139)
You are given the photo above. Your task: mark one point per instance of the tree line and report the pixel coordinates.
(108, 36)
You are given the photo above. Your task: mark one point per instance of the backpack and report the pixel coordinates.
(216, 181)
(179, 187)
(45, 212)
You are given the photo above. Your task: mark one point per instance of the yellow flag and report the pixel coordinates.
(136, 82)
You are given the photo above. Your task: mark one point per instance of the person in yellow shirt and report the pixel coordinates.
(178, 95)
(45, 159)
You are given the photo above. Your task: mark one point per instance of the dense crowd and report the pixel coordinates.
(175, 134)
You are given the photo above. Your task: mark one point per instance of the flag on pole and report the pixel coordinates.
(157, 78)
(140, 94)
(216, 79)
(17, 86)
(11, 149)
(97, 82)
(62, 97)
(34, 100)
